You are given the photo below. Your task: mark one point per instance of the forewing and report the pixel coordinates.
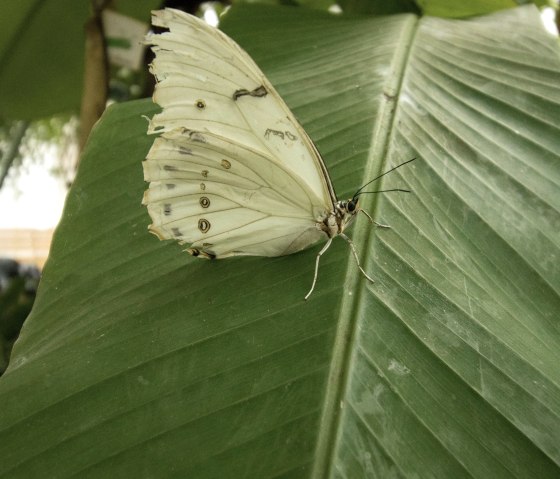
(207, 83)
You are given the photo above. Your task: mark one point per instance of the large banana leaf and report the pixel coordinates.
(141, 361)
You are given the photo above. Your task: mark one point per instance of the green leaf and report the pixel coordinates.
(141, 361)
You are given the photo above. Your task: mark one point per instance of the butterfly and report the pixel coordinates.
(232, 172)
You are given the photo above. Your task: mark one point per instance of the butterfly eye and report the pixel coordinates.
(351, 206)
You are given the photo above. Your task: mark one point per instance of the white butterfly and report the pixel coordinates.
(233, 172)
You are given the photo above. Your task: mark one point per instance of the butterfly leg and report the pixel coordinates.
(350, 242)
(381, 225)
(325, 248)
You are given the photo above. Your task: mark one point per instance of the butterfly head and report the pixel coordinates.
(346, 212)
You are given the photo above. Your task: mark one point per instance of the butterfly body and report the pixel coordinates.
(232, 172)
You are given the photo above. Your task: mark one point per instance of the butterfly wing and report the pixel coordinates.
(216, 194)
(233, 171)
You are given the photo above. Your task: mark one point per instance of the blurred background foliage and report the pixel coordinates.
(18, 285)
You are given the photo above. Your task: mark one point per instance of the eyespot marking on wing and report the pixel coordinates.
(200, 104)
(202, 186)
(204, 202)
(257, 92)
(226, 164)
(203, 225)
(204, 173)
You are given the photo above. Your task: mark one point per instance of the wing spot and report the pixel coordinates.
(260, 91)
(193, 135)
(204, 202)
(167, 209)
(170, 168)
(226, 164)
(205, 173)
(202, 186)
(185, 151)
(170, 186)
(203, 225)
(176, 232)
(279, 134)
(274, 133)
(200, 104)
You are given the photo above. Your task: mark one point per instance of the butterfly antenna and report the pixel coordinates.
(402, 190)
(359, 192)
